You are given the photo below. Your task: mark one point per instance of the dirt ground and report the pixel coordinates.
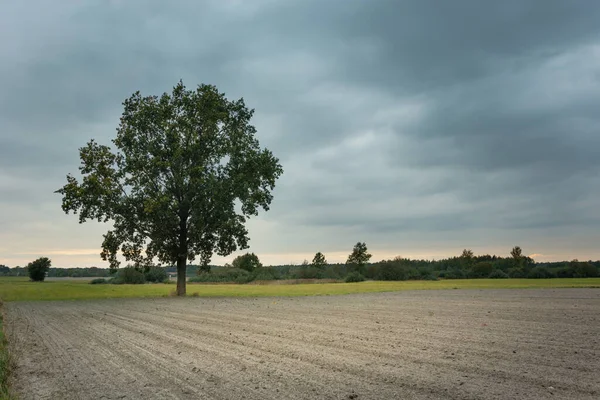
(456, 344)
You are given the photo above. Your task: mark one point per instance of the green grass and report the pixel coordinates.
(19, 289)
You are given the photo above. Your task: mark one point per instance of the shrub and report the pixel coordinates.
(156, 274)
(565, 272)
(354, 277)
(429, 277)
(540, 273)
(38, 269)
(481, 269)
(307, 273)
(98, 281)
(454, 274)
(223, 275)
(264, 274)
(129, 275)
(583, 269)
(516, 273)
(498, 274)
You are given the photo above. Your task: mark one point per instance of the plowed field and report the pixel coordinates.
(446, 344)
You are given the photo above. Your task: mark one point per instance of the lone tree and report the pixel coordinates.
(319, 260)
(37, 269)
(248, 261)
(185, 175)
(359, 256)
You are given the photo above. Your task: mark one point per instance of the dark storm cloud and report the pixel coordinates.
(390, 117)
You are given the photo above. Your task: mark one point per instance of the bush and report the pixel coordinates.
(540, 273)
(264, 274)
(565, 272)
(223, 275)
(454, 274)
(156, 274)
(516, 273)
(38, 269)
(307, 273)
(429, 277)
(130, 276)
(498, 274)
(481, 269)
(98, 281)
(354, 277)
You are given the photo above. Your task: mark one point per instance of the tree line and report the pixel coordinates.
(247, 267)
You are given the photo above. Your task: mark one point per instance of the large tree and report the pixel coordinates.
(185, 175)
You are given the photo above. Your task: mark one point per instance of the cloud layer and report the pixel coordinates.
(419, 127)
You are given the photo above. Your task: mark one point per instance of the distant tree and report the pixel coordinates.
(319, 260)
(4, 270)
(186, 175)
(359, 256)
(38, 269)
(516, 253)
(467, 257)
(248, 262)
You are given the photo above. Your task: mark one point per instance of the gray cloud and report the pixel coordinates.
(413, 125)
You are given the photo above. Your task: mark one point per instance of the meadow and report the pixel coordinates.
(21, 289)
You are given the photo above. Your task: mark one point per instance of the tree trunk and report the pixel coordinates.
(183, 253)
(181, 270)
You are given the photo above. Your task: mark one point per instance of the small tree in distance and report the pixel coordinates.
(248, 262)
(359, 256)
(38, 269)
(319, 260)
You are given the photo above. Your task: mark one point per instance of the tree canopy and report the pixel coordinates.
(248, 262)
(37, 269)
(319, 260)
(359, 256)
(185, 175)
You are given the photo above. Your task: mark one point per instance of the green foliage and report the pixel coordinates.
(498, 274)
(248, 262)
(467, 258)
(319, 261)
(129, 275)
(98, 281)
(181, 164)
(516, 273)
(354, 276)
(540, 273)
(307, 272)
(481, 269)
(38, 269)
(265, 274)
(156, 275)
(4, 270)
(223, 275)
(359, 256)
(583, 269)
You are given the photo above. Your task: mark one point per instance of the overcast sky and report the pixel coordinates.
(420, 127)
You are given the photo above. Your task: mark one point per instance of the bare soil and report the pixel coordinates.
(456, 344)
